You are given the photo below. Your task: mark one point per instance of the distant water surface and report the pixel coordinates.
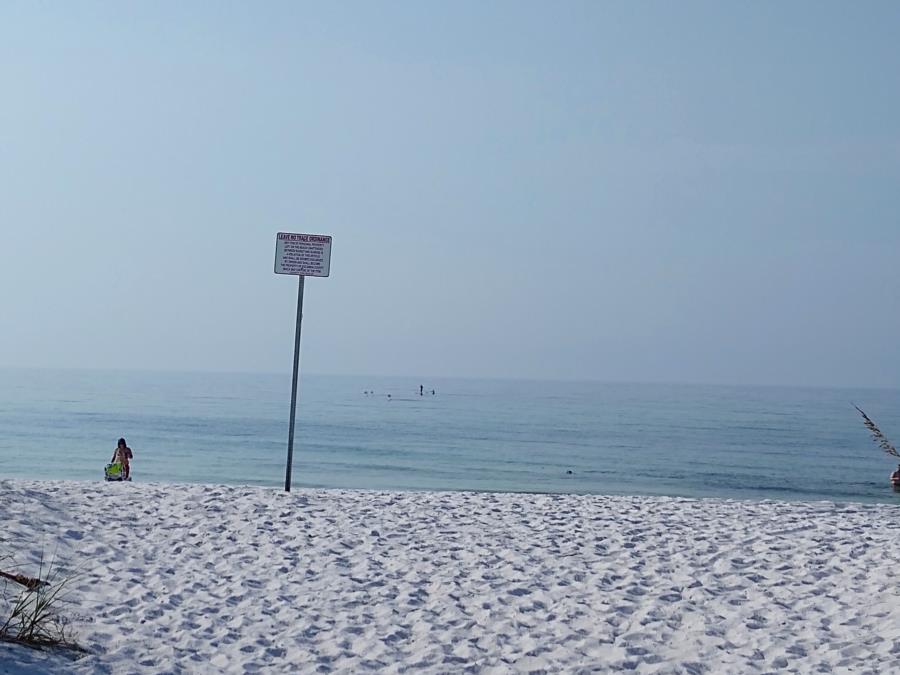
(688, 440)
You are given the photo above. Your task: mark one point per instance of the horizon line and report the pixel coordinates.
(496, 378)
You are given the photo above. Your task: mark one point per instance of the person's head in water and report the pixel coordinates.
(122, 443)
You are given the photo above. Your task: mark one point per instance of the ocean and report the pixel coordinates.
(494, 435)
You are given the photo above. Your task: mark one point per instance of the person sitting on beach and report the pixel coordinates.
(122, 454)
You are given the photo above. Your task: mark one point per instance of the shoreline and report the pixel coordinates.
(278, 487)
(218, 578)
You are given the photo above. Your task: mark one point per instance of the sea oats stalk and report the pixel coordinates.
(879, 437)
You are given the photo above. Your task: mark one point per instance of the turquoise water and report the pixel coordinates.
(690, 440)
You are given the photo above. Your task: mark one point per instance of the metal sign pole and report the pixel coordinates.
(290, 456)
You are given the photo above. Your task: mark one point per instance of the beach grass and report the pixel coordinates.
(31, 606)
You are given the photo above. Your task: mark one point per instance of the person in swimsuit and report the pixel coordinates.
(122, 454)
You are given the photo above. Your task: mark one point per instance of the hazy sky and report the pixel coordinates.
(665, 191)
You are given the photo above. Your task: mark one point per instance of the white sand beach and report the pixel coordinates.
(208, 579)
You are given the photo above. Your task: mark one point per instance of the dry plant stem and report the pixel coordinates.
(879, 437)
(28, 582)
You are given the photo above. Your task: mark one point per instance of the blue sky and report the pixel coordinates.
(641, 191)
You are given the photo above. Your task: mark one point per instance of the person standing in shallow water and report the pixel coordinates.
(123, 455)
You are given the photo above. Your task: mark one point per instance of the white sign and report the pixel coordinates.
(307, 255)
